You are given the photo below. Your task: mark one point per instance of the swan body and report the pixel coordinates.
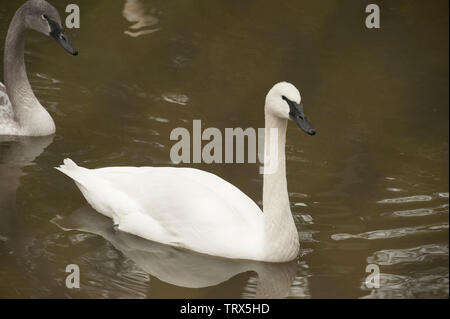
(200, 211)
(20, 111)
(175, 206)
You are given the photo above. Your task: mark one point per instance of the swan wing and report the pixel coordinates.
(7, 122)
(184, 207)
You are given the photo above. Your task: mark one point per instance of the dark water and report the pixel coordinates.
(370, 188)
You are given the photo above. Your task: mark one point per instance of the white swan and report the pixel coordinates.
(20, 111)
(197, 210)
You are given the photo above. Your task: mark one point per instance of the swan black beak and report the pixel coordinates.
(297, 114)
(63, 40)
(57, 32)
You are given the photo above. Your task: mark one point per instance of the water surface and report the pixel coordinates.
(370, 188)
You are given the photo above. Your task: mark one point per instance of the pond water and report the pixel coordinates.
(371, 187)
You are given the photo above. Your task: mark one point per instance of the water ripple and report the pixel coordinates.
(409, 199)
(431, 283)
(420, 211)
(158, 119)
(392, 233)
(144, 19)
(175, 98)
(408, 255)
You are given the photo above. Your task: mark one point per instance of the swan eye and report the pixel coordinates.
(292, 112)
(44, 17)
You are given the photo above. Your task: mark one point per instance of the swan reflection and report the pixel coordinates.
(144, 19)
(180, 267)
(16, 153)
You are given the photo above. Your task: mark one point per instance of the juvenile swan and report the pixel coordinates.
(20, 111)
(199, 211)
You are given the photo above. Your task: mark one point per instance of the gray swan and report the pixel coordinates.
(20, 111)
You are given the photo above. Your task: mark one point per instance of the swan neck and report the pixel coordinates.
(16, 80)
(275, 196)
(28, 112)
(280, 231)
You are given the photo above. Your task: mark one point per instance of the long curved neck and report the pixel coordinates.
(280, 232)
(28, 112)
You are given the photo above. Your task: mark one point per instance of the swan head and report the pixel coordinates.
(41, 16)
(284, 101)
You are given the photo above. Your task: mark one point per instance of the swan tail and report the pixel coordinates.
(75, 172)
(99, 193)
(94, 189)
